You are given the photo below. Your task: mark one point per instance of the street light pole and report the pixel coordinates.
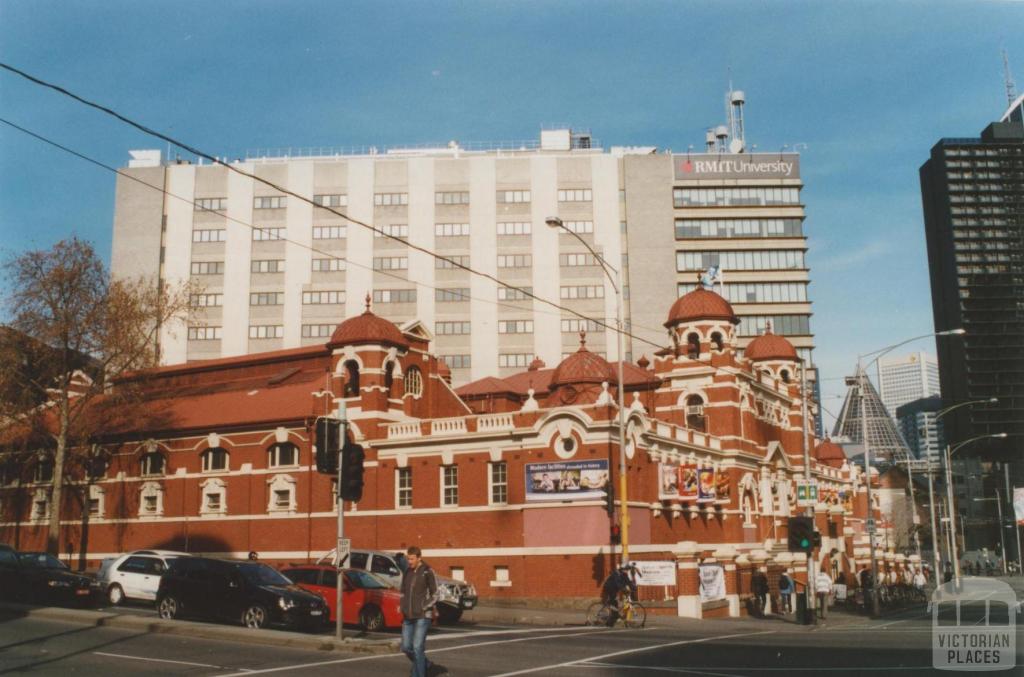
(999, 509)
(949, 496)
(616, 282)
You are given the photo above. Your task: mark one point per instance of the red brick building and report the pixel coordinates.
(502, 482)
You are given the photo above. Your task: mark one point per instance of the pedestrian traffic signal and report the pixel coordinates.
(609, 501)
(326, 444)
(352, 456)
(616, 534)
(801, 534)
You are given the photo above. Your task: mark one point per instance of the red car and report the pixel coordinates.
(369, 601)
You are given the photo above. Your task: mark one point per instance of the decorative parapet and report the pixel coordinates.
(494, 423)
(403, 431)
(448, 426)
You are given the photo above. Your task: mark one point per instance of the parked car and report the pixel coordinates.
(456, 596)
(10, 574)
(247, 592)
(369, 601)
(135, 575)
(44, 579)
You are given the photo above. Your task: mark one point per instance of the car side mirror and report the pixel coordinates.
(393, 571)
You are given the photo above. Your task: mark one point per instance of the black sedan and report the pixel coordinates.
(47, 580)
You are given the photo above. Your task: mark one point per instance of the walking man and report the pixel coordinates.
(419, 594)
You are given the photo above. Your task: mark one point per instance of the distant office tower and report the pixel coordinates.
(280, 273)
(905, 379)
(973, 195)
(921, 431)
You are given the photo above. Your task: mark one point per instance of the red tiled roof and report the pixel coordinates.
(367, 328)
(830, 453)
(583, 366)
(700, 304)
(769, 346)
(488, 385)
(540, 381)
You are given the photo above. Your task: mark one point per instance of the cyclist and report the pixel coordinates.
(617, 583)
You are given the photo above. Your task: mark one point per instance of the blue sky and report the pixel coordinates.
(869, 87)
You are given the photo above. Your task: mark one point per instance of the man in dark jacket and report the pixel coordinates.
(759, 586)
(419, 594)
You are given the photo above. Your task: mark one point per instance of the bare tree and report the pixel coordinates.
(75, 332)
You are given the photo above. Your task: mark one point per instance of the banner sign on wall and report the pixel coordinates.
(669, 481)
(567, 481)
(688, 482)
(655, 573)
(712, 582)
(705, 485)
(1018, 505)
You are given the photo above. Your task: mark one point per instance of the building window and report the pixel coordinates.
(515, 326)
(704, 197)
(499, 483)
(514, 228)
(266, 331)
(151, 500)
(732, 228)
(513, 196)
(207, 267)
(282, 453)
(584, 291)
(333, 200)
(321, 298)
(695, 412)
(575, 195)
(414, 381)
(390, 199)
(328, 265)
(40, 505)
(351, 387)
(399, 230)
(452, 198)
(768, 259)
(43, 472)
(261, 234)
(317, 330)
(152, 464)
(269, 298)
(445, 262)
(514, 359)
(501, 577)
(576, 325)
(693, 346)
(450, 485)
(204, 333)
(403, 485)
(579, 227)
(390, 263)
(215, 459)
(96, 496)
(515, 293)
(394, 296)
(451, 230)
(205, 300)
(451, 328)
(451, 295)
(281, 494)
(329, 232)
(267, 266)
(457, 361)
(215, 235)
(272, 202)
(515, 261)
(576, 260)
(214, 497)
(211, 204)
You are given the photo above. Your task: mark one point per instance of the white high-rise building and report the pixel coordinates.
(908, 378)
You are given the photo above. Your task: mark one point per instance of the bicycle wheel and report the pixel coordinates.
(597, 614)
(635, 616)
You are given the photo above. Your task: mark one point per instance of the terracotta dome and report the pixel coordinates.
(700, 304)
(830, 453)
(582, 366)
(367, 328)
(769, 346)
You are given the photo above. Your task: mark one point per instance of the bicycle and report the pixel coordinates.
(630, 612)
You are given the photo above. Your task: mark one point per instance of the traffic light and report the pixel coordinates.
(352, 456)
(609, 500)
(327, 442)
(616, 534)
(801, 534)
(816, 540)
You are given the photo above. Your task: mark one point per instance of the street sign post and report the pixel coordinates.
(871, 525)
(806, 494)
(343, 551)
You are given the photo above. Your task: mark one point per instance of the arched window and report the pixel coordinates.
(151, 500)
(748, 512)
(351, 379)
(693, 346)
(717, 342)
(281, 494)
(43, 470)
(695, 412)
(785, 375)
(214, 499)
(389, 377)
(97, 466)
(413, 382)
(152, 464)
(215, 459)
(282, 453)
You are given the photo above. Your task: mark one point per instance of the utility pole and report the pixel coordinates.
(339, 599)
(809, 510)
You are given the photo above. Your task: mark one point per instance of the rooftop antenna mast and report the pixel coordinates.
(1011, 88)
(734, 101)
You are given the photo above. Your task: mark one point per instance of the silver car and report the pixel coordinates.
(135, 575)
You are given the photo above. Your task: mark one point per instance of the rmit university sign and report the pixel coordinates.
(737, 166)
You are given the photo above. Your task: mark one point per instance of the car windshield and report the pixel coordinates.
(261, 574)
(41, 560)
(363, 579)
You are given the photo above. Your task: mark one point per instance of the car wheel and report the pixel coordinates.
(168, 608)
(371, 618)
(115, 595)
(448, 614)
(254, 616)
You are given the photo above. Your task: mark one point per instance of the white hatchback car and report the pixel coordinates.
(135, 575)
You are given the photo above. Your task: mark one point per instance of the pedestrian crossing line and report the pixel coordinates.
(740, 670)
(164, 660)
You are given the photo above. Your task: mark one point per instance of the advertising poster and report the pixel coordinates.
(723, 489)
(705, 485)
(712, 582)
(1018, 505)
(669, 481)
(568, 481)
(655, 573)
(688, 482)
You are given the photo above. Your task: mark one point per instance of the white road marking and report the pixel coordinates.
(164, 660)
(631, 651)
(339, 661)
(488, 633)
(745, 669)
